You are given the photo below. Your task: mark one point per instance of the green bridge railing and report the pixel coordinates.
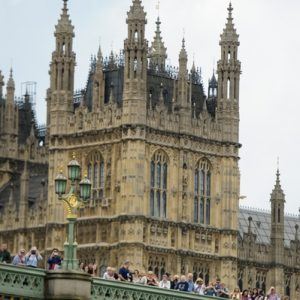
(25, 283)
(20, 283)
(116, 290)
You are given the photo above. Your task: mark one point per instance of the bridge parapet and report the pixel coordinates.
(28, 283)
(21, 282)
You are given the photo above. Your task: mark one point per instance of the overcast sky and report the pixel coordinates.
(270, 49)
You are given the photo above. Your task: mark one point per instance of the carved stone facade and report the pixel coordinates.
(162, 158)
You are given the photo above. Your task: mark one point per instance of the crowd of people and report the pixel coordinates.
(183, 283)
(186, 283)
(30, 259)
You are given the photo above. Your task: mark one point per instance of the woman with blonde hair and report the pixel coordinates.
(236, 294)
(199, 286)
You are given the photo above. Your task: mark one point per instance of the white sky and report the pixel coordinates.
(270, 48)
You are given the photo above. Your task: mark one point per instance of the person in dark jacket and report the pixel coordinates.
(5, 257)
(54, 261)
(182, 285)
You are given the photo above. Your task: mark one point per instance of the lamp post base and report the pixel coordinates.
(65, 285)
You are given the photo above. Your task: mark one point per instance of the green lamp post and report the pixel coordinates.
(78, 195)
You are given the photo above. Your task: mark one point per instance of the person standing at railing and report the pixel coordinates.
(109, 274)
(151, 279)
(199, 287)
(174, 282)
(190, 281)
(182, 285)
(5, 257)
(165, 283)
(32, 258)
(271, 295)
(124, 273)
(236, 294)
(54, 261)
(19, 259)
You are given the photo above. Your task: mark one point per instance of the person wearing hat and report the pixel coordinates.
(19, 259)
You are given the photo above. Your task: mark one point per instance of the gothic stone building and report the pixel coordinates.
(163, 161)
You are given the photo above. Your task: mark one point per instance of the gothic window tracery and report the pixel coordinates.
(96, 174)
(201, 270)
(158, 185)
(202, 193)
(157, 265)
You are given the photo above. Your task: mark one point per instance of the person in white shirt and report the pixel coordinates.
(109, 274)
(165, 283)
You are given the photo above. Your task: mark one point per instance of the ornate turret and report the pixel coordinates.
(10, 107)
(277, 230)
(99, 84)
(229, 70)
(10, 83)
(182, 77)
(213, 86)
(60, 95)
(135, 71)
(158, 51)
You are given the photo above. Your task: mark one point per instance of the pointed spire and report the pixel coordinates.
(158, 51)
(11, 82)
(64, 23)
(229, 33)
(136, 11)
(183, 53)
(230, 9)
(277, 193)
(99, 65)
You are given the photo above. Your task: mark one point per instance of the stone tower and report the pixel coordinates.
(59, 102)
(229, 70)
(135, 70)
(10, 118)
(277, 235)
(62, 74)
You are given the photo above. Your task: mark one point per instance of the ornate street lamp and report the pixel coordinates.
(78, 195)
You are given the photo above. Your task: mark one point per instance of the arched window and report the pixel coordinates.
(136, 36)
(228, 88)
(95, 172)
(202, 193)
(158, 185)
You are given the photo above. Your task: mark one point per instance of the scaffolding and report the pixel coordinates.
(29, 88)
